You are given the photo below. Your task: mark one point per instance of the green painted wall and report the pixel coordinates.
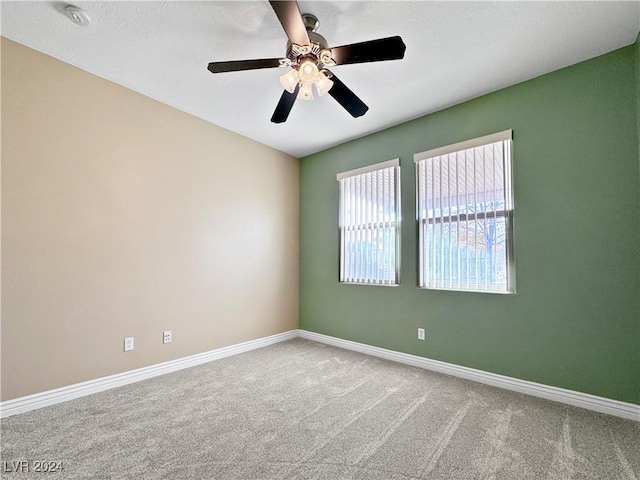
(575, 321)
(638, 86)
(638, 120)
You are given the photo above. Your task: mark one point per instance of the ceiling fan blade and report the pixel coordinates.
(237, 65)
(391, 48)
(347, 98)
(284, 106)
(289, 15)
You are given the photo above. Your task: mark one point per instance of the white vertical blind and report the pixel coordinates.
(369, 222)
(465, 216)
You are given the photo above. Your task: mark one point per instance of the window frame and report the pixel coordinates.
(396, 224)
(507, 213)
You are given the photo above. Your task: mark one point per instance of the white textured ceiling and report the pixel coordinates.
(455, 51)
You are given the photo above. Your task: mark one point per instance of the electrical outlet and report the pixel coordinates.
(421, 334)
(128, 344)
(166, 337)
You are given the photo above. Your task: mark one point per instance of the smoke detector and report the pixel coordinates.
(77, 16)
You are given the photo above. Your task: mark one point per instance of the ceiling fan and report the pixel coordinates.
(308, 56)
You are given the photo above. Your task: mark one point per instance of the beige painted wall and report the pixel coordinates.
(122, 216)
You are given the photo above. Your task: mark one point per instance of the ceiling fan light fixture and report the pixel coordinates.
(308, 71)
(323, 84)
(290, 80)
(305, 92)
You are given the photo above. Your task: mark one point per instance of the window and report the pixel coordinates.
(465, 216)
(369, 224)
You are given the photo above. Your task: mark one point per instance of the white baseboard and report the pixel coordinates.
(570, 397)
(63, 394)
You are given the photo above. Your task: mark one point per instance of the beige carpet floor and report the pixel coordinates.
(304, 410)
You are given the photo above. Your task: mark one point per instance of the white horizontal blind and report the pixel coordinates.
(465, 216)
(369, 224)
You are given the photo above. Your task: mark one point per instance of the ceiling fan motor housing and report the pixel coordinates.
(317, 51)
